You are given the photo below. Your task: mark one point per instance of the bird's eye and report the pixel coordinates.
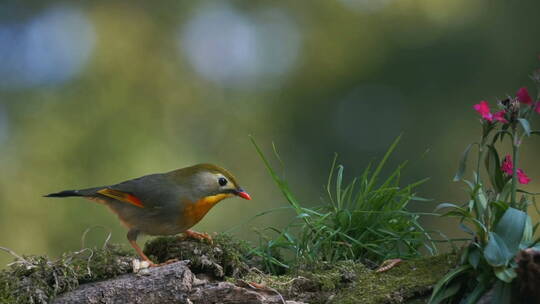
(222, 181)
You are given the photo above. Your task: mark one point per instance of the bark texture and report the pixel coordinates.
(173, 283)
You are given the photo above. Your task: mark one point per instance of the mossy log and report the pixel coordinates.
(210, 273)
(172, 283)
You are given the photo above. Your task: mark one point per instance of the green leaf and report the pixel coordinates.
(502, 293)
(445, 288)
(446, 293)
(507, 190)
(381, 164)
(496, 252)
(526, 125)
(511, 227)
(344, 219)
(481, 201)
(278, 180)
(446, 205)
(421, 199)
(474, 257)
(527, 192)
(478, 291)
(463, 163)
(339, 179)
(466, 229)
(527, 234)
(493, 167)
(505, 274)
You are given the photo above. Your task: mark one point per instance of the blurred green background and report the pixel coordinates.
(94, 93)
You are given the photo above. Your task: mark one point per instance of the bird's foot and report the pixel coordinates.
(198, 236)
(141, 266)
(388, 264)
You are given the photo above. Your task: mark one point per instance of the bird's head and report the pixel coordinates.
(207, 180)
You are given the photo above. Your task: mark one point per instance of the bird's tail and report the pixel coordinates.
(65, 193)
(81, 192)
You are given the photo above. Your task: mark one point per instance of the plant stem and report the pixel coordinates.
(480, 158)
(515, 147)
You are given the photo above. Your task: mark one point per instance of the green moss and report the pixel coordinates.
(410, 279)
(349, 282)
(104, 264)
(224, 257)
(39, 279)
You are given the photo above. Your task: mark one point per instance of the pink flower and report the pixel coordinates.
(507, 165)
(522, 177)
(499, 116)
(508, 168)
(483, 109)
(523, 96)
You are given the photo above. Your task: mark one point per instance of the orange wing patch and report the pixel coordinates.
(122, 196)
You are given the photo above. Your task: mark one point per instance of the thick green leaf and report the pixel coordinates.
(478, 291)
(463, 163)
(526, 125)
(446, 293)
(511, 227)
(505, 274)
(528, 233)
(496, 252)
(445, 288)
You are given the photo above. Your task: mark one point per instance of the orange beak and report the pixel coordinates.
(243, 194)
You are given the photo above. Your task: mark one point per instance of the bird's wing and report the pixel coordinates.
(149, 191)
(121, 196)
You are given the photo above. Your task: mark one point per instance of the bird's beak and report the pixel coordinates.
(243, 194)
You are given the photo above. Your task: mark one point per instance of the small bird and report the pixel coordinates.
(164, 203)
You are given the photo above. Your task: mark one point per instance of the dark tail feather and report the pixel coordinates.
(65, 193)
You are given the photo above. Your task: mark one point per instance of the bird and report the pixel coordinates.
(164, 203)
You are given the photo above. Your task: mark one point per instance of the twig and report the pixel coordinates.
(83, 237)
(18, 257)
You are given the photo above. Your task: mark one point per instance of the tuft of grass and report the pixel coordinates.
(365, 219)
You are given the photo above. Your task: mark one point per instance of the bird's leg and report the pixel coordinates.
(141, 253)
(132, 238)
(197, 235)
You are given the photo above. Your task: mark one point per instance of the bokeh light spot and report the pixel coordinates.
(48, 49)
(234, 49)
